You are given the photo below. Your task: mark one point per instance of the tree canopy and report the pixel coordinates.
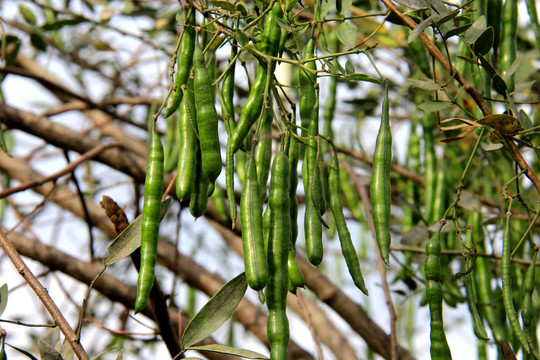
(362, 174)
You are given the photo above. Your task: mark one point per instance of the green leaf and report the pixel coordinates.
(446, 17)
(216, 311)
(223, 349)
(456, 31)
(3, 296)
(27, 14)
(224, 5)
(420, 28)
(325, 6)
(468, 59)
(438, 6)
(330, 65)
(242, 38)
(363, 77)
(435, 106)
(499, 85)
(493, 146)
(476, 29)
(483, 44)
(46, 345)
(38, 41)
(242, 7)
(51, 337)
(346, 33)
(60, 23)
(525, 120)
(24, 352)
(487, 66)
(512, 69)
(349, 68)
(284, 25)
(67, 350)
(414, 4)
(130, 239)
(425, 85)
(345, 6)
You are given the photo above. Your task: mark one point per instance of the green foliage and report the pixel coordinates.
(459, 78)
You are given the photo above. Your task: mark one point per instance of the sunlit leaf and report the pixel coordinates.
(47, 343)
(283, 25)
(425, 85)
(216, 311)
(224, 5)
(438, 6)
(512, 69)
(524, 119)
(325, 6)
(47, 352)
(493, 146)
(223, 349)
(476, 29)
(363, 77)
(446, 17)
(27, 14)
(420, 28)
(414, 4)
(130, 239)
(435, 106)
(349, 68)
(346, 33)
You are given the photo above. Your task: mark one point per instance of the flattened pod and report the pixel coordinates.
(153, 189)
(380, 183)
(207, 119)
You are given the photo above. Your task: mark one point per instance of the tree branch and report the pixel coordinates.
(43, 296)
(469, 88)
(85, 272)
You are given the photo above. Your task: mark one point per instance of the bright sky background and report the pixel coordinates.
(22, 303)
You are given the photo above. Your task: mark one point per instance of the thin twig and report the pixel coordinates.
(469, 88)
(421, 250)
(43, 296)
(68, 169)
